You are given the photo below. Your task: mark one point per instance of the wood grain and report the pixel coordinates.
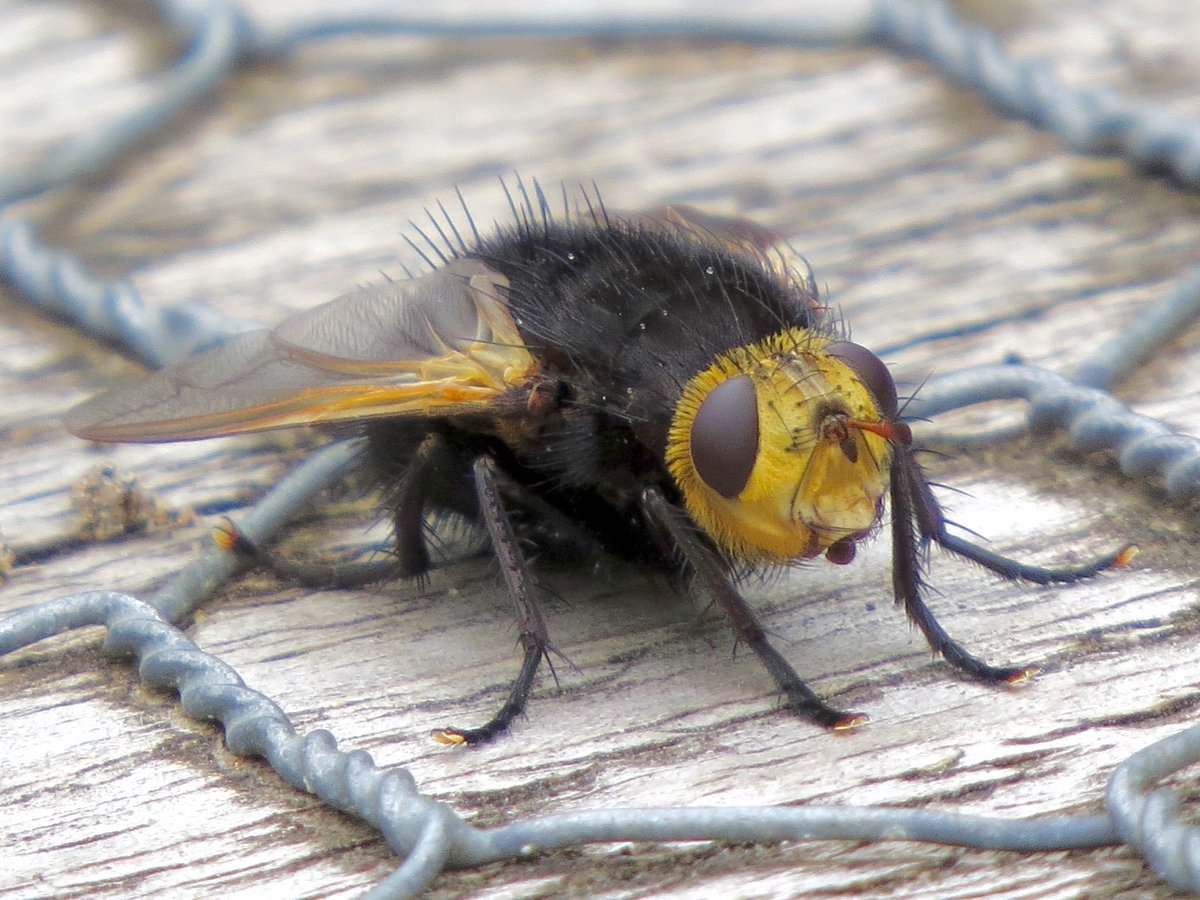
(947, 236)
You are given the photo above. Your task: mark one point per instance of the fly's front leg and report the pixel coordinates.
(916, 510)
(534, 638)
(906, 578)
(711, 582)
(932, 523)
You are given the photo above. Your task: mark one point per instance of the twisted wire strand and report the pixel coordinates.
(1090, 119)
(203, 578)
(433, 837)
(218, 38)
(1151, 822)
(429, 834)
(254, 725)
(1093, 419)
(1136, 341)
(112, 311)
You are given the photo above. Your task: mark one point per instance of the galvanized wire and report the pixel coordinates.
(1089, 119)
(220, 35)
(1093, 419)
(113, 311)
(1134, 343)
(1150, 819)
(428, 834)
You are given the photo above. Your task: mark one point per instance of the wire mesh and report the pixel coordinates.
(428, 834)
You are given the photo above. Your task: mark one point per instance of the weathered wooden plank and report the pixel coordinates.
(946, 235)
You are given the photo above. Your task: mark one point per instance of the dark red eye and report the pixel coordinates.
(725, 436)
(872, 373)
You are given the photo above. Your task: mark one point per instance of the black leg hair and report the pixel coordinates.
(336, 574)
(349, 572)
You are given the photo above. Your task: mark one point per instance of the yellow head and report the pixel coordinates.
(782, 449)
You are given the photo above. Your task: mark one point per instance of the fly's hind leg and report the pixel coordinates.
(534, 638)
(711, 582)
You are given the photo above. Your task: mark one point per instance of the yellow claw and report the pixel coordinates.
(1126, 556)
(852, 722)
(1024, 676)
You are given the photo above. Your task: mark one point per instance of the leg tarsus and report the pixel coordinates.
(350, 572)
(931, 523)
(339, 574)
(513, 707)
(916, 510)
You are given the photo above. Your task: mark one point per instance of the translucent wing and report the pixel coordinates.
(443, 343)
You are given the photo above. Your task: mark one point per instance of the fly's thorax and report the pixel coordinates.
(782, 449)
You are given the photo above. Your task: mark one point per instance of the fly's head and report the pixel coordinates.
(782, 450)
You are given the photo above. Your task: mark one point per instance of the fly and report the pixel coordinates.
(664, 386)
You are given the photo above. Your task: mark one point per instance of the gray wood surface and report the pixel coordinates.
(948, 236)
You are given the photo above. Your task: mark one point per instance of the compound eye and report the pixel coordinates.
(725, 436)
(872, 373)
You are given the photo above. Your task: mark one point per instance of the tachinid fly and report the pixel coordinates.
(663, 386)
